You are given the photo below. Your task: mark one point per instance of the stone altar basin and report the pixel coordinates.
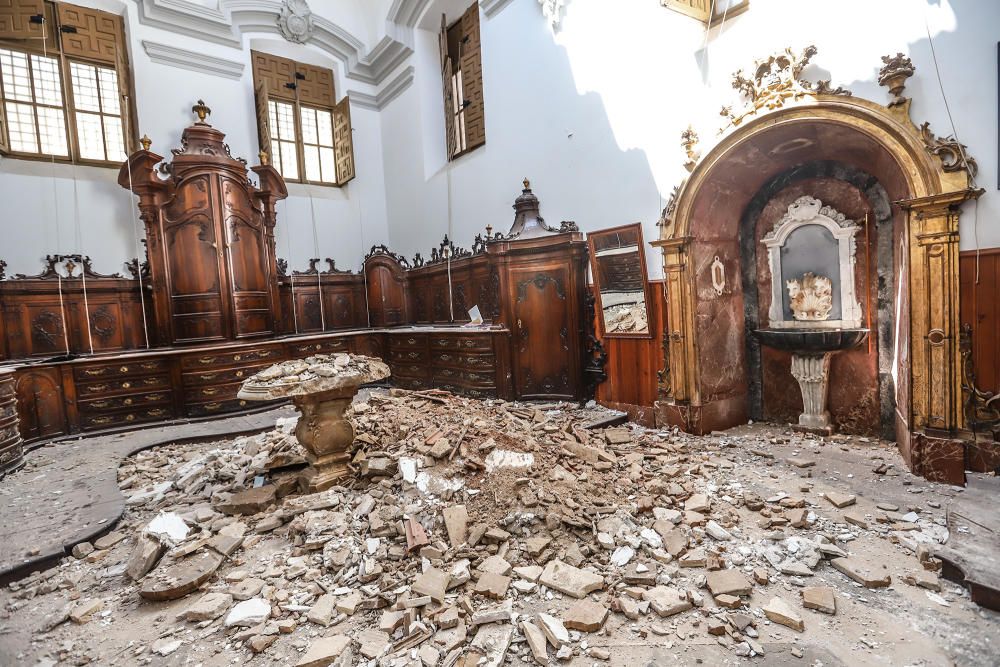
(811, 340)
(811, 352)
(321, 387)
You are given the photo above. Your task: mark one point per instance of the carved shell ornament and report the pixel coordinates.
(295, 21)
(811, 297)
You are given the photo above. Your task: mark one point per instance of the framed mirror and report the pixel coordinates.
(618, 265)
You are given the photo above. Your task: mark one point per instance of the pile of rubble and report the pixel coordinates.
(474, 533)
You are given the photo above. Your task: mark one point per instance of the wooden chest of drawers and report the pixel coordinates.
(120, 393)
(11, 447)
(211, 381)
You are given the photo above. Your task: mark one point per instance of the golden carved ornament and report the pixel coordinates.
(689, 141)
(202, 111)
(893, 75)
(146, 142)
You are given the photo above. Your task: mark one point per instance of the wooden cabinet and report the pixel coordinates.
(211, 381)
(40, 404)
(210, 240)
(387, 287)
(11, 445)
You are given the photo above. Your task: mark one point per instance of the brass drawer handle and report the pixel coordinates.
(209, 392)
(156, 413)
(206, 360)
(127, 401)
(411, 341)
(154, 397)
(129, 417)
(212, 406)
(123, 369)
(237, 357)
(239, 374)
(126, 385)
(96, 388)
(151, 382)
(150, 365)
(206, 378)
(242, 403)
(101, 404)
(94, 372)
(101, 421)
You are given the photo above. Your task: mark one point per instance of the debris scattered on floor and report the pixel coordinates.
(478, 533)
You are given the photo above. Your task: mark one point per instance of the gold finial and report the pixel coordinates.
(527, 183)
(263, 158)
(202, 111)
(146, 142)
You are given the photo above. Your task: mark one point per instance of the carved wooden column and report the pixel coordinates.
(678, 380)
(934, 317)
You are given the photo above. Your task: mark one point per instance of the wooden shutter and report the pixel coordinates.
(4, 144)
(276, 73)
(699, 9)
(263, 125)
(472, 79)
(89, 33)
(449, 103)
(343, 141)
(15, 19)
(315, 85)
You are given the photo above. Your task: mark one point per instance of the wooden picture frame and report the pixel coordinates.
(620, 237)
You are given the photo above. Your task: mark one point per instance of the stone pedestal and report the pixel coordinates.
(813, 374)
(321, 387)
(326, 435)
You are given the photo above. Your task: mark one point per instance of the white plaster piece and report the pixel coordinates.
(805, 211)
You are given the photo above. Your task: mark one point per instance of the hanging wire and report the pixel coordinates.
(291, 271)
(319, 274)
(55, 202)
(958, 143)
(83, 271)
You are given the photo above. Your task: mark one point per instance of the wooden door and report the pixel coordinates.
(386, 296)
(191, 253)
(40, 405)
(543, 345)
(247, 261)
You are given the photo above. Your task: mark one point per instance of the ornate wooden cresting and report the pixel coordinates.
(210, 238)
(930, 178)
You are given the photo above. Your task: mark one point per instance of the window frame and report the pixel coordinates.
(126, 93)
(292, 96)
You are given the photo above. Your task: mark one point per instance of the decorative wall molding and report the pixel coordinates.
(493, 7)
(165, 54)
(295, 22)
(387, 94)
(227, 23)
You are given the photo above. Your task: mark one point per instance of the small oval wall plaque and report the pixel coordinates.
(718, 276)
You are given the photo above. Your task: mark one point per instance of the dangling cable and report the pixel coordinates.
(319, 274)
(55, 199)
(291, 271)
(135, 226)
(83, 272)
(958, 144)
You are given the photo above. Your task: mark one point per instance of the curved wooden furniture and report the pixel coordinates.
(11, 446)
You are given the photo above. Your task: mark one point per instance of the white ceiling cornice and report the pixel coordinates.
(226, 24)
(166, 54)
(388, 93)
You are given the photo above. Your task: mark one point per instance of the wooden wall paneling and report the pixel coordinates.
(980, 309)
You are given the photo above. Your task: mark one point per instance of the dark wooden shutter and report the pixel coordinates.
(449, 103)
(276, 72)
(472, 79)
(343, 141)
(315, 85)
(15, 19)
(91, 33)
(263, 124)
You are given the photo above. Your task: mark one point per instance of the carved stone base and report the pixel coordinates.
(326, 436)
(813, 374)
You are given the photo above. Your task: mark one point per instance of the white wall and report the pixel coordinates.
(45, 217)
(592, 112)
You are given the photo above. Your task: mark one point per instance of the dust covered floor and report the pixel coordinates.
(489, 533)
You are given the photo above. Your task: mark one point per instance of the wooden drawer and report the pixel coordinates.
(219, 407)
(466, 342)
(91, 422)
(227, 376)
(211, 393)
(412, 341)
(321, 347)
(128, 402)
(411, 370)
(407, 356)
(473, 378)
(85, 390)
(472, 361)
(472, 392)
(411, 383)
(225, 359)
(119, 370)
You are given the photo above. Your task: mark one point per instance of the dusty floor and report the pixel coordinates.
(591, 492)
